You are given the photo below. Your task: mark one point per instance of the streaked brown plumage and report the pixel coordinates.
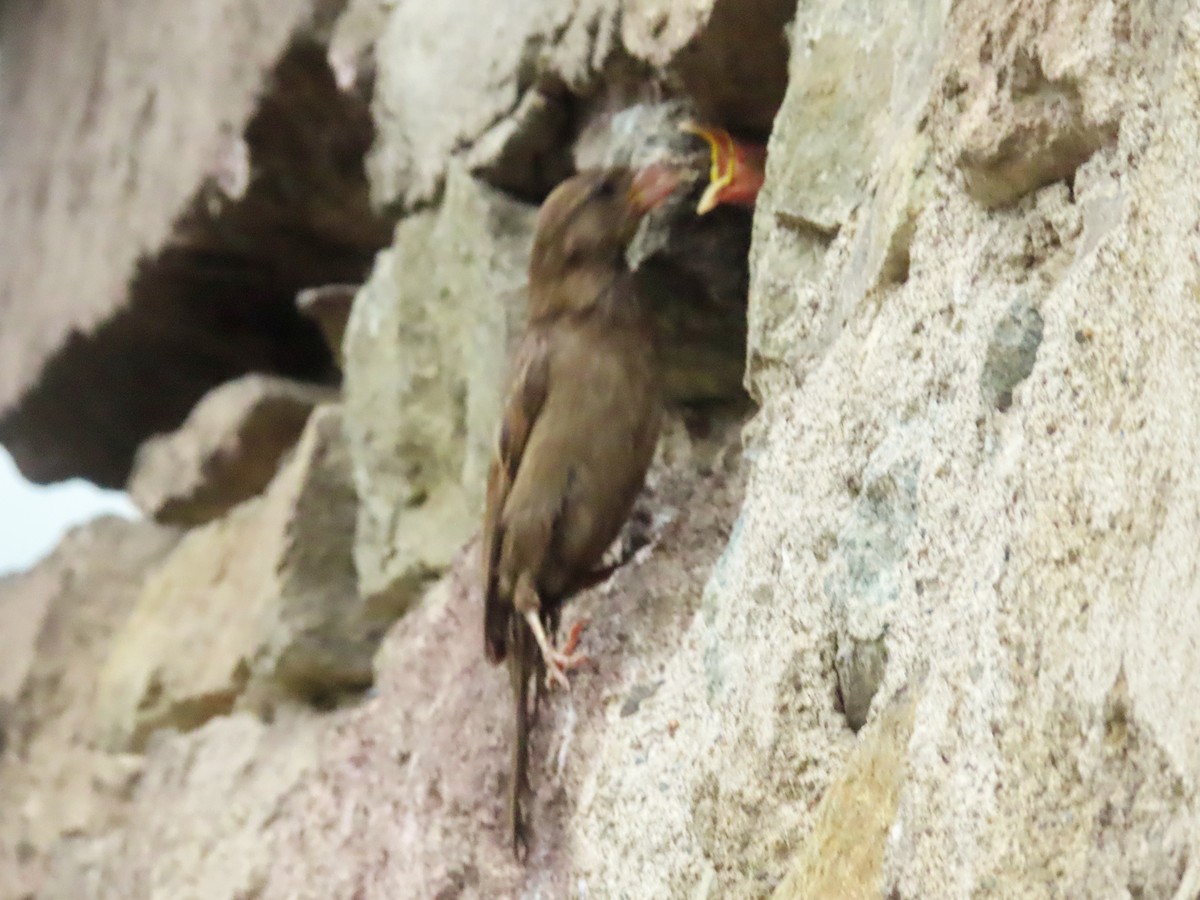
(578, 431)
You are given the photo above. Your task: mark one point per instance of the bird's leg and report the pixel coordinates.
(529, 605)
(573, 640)
(557, 662)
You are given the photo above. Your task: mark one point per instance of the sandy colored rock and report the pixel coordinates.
(171, 177)
(426, 362)
(968, 528)
(409, 797)
(259, 601)
(59, 619)
(975, 437)
(844, 855)
(199, 819)
(506, 115)
(26, 600)
(227, 450)
(329, 306)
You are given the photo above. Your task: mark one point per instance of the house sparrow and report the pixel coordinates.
(578, 432)
(738, 168)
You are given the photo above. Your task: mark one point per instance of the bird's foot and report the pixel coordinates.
(574, 634)
(558, 662)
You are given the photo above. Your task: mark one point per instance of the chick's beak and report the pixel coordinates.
(651, 186)
(737, 170)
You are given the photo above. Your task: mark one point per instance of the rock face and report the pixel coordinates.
(197, 816)
(966, 466)
(171, 177)
(426, 361)
(924, 626)
(281, 614)
(57, 622)
(427, 780)
(226, 451)
(505, 93)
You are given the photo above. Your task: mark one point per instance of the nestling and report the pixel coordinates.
(579, 428)
(738, 168)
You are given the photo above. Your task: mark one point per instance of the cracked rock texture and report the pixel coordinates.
(57, 623)
(281, 614)
(426, 349)
(924, 625)
(226, 451)
(170, 177)
(504, 93)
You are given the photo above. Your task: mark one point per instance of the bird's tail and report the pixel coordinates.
(524, 671)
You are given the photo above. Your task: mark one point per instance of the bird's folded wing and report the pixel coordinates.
(526, 397)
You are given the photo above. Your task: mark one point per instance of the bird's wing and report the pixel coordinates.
(526, 396)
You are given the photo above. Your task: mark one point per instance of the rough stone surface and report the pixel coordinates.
(977, 450)
(198, 817)
(171, 177)
(426, 360)
(226, 451)
(329, 306)
(510, 112)
(843, 856)
(409, 797)
(942, 645)
(58, 619)
(275, 581)
(27, 597)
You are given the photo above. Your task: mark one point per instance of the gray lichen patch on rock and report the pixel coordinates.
(1011, 353)
(864, 585)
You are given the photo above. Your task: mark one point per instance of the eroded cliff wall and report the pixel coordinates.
(919, 621)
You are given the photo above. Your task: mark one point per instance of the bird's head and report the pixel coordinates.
(589, 219)
(583, 229)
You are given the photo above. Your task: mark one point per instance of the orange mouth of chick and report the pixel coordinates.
(724, 163)
(652, 186)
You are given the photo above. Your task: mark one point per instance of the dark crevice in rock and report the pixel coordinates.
(898, 260)
(289, 210)
(697, 285)
(736, 69)
(734, 74)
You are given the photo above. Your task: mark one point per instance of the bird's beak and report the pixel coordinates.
(651, 186)
(736, 173)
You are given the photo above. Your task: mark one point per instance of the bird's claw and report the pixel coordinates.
(558, 662)
(566, 659)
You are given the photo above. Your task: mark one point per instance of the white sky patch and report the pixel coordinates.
(33, 518)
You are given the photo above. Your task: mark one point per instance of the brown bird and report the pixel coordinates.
(579, 429)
